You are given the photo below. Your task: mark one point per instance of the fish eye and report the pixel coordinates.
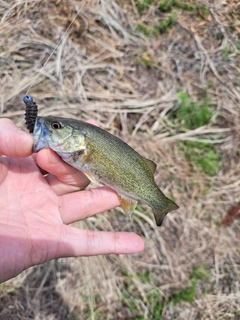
(56, 125)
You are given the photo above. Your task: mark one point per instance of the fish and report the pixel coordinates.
(104, 158)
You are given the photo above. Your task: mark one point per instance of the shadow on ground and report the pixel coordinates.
(37, 298)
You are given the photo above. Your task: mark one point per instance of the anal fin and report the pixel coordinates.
(128, 204)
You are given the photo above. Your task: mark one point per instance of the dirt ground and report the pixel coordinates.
(165, 77)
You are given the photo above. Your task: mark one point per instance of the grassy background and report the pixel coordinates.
(164, 77)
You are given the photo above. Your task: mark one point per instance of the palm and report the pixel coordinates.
(30, 210)
(35, 211)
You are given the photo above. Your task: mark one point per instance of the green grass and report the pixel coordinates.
(167, 23)
(190, 115)
(161, 27)
(201, 9)
(132, 303)
(187, 294)
(152, 307)
(164, 5)
(193, 114)
(168, 5)
(155, 300)
(144, 4)
(146, 60)
(203, 156)
(148, 31)
(143, 277)
(199, 273)
(230, 53)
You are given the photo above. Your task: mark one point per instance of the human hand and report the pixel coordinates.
(35, 210)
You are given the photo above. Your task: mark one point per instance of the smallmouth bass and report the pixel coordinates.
(105, 158)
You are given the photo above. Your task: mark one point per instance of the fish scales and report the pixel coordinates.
(105, 158)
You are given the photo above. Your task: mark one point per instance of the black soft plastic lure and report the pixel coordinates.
(31, 112)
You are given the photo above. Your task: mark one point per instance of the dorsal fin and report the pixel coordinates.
(151, 165)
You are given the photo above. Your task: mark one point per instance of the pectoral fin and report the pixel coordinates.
(86, 157)
(90, 177)
(128, 204)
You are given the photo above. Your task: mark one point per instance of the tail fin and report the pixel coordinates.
(160, 214)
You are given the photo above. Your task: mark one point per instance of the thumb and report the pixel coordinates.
(14, 142)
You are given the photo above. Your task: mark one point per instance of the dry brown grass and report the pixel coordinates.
(96, 72)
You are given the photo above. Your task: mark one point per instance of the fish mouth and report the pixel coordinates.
(40, 135)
